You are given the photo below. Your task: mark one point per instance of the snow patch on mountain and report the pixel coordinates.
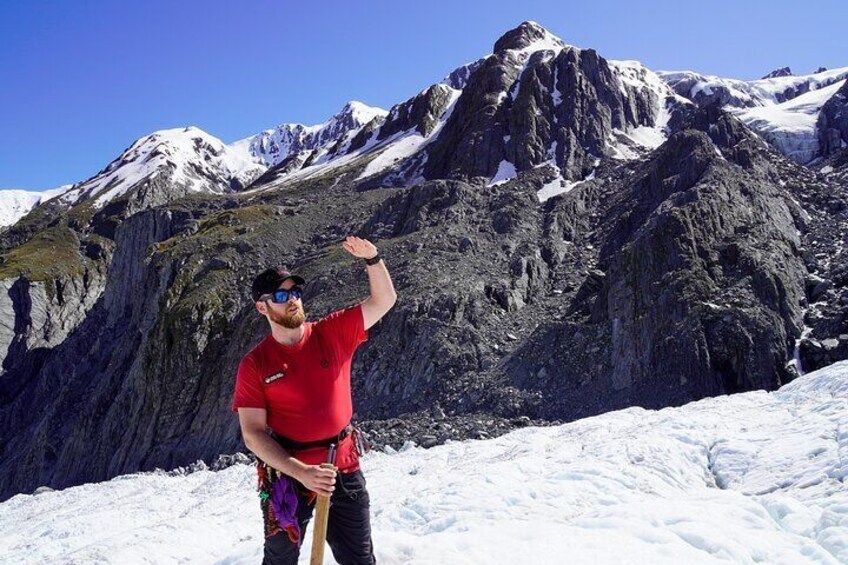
(633, 142)
(555, 187)
(505, 172)
(560, 185)
(15, 204)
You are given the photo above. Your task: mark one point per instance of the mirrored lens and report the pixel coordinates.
(282, 296)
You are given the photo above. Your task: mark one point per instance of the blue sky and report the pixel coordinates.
(81, 80)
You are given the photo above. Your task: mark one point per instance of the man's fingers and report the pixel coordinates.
(324, 482)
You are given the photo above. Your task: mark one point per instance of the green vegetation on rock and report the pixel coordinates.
(49, 254)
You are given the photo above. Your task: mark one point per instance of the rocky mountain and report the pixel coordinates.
(568, 235)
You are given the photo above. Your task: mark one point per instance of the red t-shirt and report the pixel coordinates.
(306, 387)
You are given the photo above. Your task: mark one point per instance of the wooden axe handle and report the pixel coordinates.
(319, 534)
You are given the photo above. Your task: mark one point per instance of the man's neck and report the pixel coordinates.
(287, 336)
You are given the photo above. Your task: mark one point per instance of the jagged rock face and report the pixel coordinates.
(821, 194)
(47, 287)
(458, 78)
(689, 294)
(560, 105)
(681, 279)
(420, 113)
(91, 388)
(521, 37)
(42, 314)
(833, 122)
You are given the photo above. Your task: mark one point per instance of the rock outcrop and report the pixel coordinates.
(833, 123)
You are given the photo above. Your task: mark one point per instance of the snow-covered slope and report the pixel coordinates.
(783, 109)
(791, 125)
(188, 160)
(748, 94)
(750, 478)
(273, 146)
(185, 159)
(15, 204)
(381, 153)
(171, 163)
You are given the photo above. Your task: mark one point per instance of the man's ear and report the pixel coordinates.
(261, 307)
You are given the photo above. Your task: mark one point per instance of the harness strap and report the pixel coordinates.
(292, 445)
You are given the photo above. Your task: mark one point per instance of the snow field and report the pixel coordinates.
(749, 478)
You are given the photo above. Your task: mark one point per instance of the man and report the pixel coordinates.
(293, 400)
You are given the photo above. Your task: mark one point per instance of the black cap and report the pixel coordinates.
(270, 280)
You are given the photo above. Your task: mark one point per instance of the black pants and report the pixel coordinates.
(348, 527)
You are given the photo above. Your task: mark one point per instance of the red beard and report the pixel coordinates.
(290, 319)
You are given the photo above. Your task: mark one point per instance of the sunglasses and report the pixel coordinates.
(282, 296)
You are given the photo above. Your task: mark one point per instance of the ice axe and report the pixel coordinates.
(322, 512)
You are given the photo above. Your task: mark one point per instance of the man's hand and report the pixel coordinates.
(359, 247)
(318, 479)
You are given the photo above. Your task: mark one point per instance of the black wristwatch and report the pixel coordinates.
(373, 260)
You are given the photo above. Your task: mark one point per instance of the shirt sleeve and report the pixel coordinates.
(249, 392)
(346, 327)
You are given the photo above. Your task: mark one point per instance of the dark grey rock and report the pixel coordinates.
(832, 124)
(781, 72)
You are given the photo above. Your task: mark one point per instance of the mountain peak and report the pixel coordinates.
(528, 36)
(359, 112)
(781, 72)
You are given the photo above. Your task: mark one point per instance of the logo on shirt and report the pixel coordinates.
(271, 378)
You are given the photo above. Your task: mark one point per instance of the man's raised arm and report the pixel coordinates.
(383, 295)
